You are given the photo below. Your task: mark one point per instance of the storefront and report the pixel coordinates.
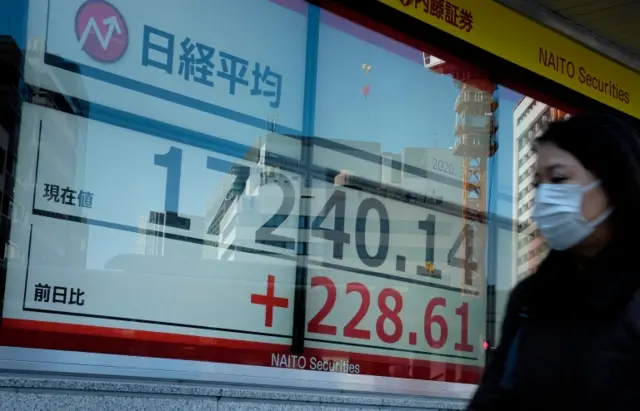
(272, 203)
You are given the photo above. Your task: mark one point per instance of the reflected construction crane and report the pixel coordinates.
(475, 130)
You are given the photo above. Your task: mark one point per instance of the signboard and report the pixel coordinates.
(146, 250)
(495, 28)
(147, 60)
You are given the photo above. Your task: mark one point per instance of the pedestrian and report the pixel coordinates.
(570, 338)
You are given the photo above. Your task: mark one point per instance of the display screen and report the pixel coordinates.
(319, 196)
(112, 254)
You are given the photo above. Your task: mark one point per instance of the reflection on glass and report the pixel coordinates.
(530, 119)
(333, 201)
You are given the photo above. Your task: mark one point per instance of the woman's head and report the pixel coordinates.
(588, 179)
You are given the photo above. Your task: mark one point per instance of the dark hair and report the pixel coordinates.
(609, 147)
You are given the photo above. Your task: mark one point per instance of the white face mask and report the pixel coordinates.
(558, 214)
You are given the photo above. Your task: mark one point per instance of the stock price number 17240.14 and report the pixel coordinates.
(339, 234)
(389, 325)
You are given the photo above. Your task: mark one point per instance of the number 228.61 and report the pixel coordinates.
(436, 328)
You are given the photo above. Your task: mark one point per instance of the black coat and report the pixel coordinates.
(579, 344)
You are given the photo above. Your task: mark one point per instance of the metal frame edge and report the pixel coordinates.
(61, 364)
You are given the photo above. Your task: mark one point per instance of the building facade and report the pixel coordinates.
(530, 118)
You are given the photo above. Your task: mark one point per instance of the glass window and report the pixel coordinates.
(321, 189)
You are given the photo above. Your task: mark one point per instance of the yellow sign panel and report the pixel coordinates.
(507, 34)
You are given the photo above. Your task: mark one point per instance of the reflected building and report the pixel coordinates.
(69, 156)
(11, 97)
(253, 193)
(249, 197)
(69, 247)
(530, 118)
(152, 239)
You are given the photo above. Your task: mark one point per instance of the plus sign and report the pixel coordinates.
(269, 300)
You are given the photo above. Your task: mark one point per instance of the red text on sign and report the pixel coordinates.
(270, 301)
(390, 304)
(351, 330)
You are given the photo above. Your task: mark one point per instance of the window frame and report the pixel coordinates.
(394, 24)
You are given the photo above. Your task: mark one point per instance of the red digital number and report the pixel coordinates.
(350, 329)
(315, 324)
(389, 314)
(431, 319)
(463, 345)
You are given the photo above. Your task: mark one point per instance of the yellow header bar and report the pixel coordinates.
(507, 34)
